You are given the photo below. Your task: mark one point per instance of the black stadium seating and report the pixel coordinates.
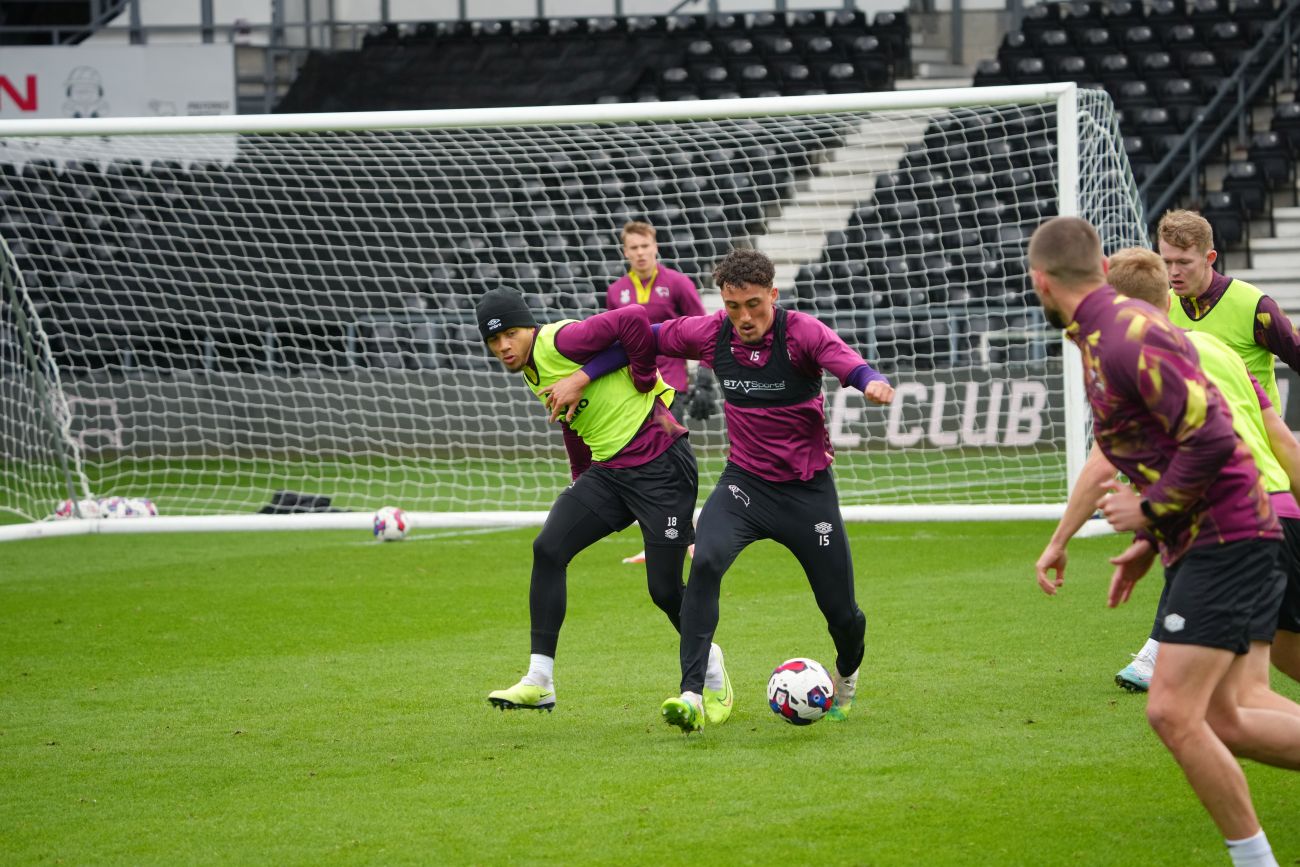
(497, 62)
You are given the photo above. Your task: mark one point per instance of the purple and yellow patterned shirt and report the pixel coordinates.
(1159, 421)
(671, 294)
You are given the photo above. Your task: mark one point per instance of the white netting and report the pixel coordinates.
(297, 316)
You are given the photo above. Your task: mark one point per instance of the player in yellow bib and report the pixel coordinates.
(629, 459)
(1141, 274)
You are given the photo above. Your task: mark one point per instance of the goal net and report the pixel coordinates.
(223, 309)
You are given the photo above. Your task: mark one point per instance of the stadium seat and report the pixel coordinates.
(1204, 68)
(1254, 16)
(767, 23)
(1040, 17)
(1181, 97)
(1030, 70)
(1205, 14)
(1165, 14)
(1092, 42)
(1227, 217)
(1069, 67)
(1286, 120)
(1015, 46)
(1272, 153)
(1112, 70)
(895, 30)
(1134, 95)
(1120, 15)
(1251, 187)
(989, 72)
(1052, 41)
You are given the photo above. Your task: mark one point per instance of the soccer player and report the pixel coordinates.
(1246, 319)
(665, 294)
(1160, 422)
(1139, 273)
(630, 461)
(777, 483)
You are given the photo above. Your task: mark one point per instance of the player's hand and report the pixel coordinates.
(1053, 559)
(563, 396)
(879, 392)
(1129, 567)
(1122, 507)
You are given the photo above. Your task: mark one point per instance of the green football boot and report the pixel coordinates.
(523, 696)
(845, 689)
(683, 713)
(718, 702)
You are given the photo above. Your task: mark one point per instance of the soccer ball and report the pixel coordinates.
(391, 524)
(67, 509)
(800, 691)
(141, 507)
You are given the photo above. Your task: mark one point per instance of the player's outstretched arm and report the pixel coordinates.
(1078, 509)
(1285, 448)
(1130, 566)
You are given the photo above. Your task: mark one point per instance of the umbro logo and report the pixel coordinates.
(493, 324)
(1174, 622)
(821, 528)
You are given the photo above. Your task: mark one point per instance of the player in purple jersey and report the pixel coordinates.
(665, 294)
(1140, 273)
(1160, 422)
(630, 461)
(777, 483)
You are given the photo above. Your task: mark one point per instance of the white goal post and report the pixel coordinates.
(213, 311)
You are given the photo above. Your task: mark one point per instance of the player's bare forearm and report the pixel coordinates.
(1285, 448)
(1086, 495)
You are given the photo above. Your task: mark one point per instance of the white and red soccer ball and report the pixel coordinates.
(800, 691)
(391, 524)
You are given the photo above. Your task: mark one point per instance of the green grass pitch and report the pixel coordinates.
(317, 698)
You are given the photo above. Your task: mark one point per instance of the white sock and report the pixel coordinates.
(541, 670)
(713, 676)
(1252, 851)
(1149, 649)
(694, 698)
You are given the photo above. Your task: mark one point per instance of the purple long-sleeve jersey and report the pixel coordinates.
(779, 443)
(581, 341)
(672, 294)
(1159, 421)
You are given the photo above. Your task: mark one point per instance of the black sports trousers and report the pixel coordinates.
(660, 495)
(802, 516)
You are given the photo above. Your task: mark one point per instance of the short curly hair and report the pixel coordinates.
(1186, 229)
(744, 266)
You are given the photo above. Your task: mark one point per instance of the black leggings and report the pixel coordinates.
(802, 516)
(572, 527)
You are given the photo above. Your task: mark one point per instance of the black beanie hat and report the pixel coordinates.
(500, 309)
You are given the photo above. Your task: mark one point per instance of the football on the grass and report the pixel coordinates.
(800, 691)
(391, 524)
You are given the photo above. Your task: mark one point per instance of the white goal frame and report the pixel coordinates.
(1064, 96)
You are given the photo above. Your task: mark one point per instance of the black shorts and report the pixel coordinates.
(659, 495)
(1288, 616)
(1225, 596)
